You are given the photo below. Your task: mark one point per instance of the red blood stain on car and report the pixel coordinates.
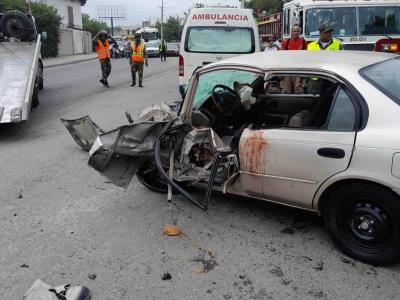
(252, 147)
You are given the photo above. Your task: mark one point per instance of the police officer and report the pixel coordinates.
(325, 41)
(138, 58)
(102, 43)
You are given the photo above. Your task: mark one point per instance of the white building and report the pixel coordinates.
(73, 40)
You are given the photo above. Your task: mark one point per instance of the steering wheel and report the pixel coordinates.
(225, 99)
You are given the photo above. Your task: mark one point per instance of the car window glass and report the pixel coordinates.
(225, 77)
(386, 77)
(343, 114)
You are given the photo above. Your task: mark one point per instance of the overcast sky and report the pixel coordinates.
(140, 10)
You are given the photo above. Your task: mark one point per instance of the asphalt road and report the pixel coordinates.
(61, 221)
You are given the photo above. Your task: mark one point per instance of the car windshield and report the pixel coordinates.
(173, 46)
(342, 20)
(148, 36)
(225, 77)
(379, 20)
(386, 77)
(220, 40)
(152, 45)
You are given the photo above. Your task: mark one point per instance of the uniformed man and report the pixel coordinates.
(102, 43)
(325, 41)
(163, 50)
(138, 58)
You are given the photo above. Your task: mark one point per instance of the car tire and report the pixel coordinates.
(364, 221)
(17, 25)
(150, 177)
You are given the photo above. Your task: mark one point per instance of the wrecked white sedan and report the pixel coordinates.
(313, 130)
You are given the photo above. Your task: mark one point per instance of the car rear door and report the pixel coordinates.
(291, 163)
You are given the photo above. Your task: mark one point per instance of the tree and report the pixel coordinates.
(13, 4)
(173, 28)
(47, 19)
(92, 25)
(270, 7)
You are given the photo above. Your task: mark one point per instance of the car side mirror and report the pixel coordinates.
(44, 35)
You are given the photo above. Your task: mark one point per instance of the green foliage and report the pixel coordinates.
(92, 25)
(270, 7)
(13, 4)
(173, 28)
(47, 19)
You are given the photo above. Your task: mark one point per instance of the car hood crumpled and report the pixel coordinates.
(118, 154)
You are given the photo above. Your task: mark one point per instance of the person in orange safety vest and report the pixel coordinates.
(138, 58)
(102, 43)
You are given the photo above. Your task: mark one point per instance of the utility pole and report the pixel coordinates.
(162, 20)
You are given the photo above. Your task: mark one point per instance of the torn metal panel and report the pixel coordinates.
(42, 291)
(83, 130)
(119, 153)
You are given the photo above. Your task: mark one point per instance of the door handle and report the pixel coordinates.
(331, 152)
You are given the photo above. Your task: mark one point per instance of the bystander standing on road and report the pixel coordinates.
(324, 42)
(295, 42)
(102, 43)
(138, 58)
(271, 46)
(163, 50)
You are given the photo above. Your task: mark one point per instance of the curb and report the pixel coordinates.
(69, 63)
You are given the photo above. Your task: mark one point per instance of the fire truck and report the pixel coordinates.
(360, 24)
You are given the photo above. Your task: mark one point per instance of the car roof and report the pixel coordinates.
(323, 60)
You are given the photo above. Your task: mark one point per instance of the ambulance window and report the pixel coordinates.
(208, 39)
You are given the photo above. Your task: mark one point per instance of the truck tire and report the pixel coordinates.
(35, 97)
(40, 75)
(17, 25)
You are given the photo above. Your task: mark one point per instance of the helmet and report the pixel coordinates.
(137, 36)
(103, 32)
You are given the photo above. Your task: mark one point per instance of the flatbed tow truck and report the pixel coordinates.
(21, 66)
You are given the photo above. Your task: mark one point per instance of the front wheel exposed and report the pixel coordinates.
(151, 178)
(364, 219)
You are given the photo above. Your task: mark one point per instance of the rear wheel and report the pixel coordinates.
(35, 97)
(364, 220)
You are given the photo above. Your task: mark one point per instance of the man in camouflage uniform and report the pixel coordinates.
(138, 58)
(101, 43)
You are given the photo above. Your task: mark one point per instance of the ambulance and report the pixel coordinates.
(213, 34)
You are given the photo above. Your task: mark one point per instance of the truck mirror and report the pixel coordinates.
(44, 35)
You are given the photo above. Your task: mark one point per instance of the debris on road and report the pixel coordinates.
(42, 291)
(172, 230)
(24, 266)
(208, 261)
(92, 276)
(347, 261)
(319, 266)
(20, 196)
(166, 276)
